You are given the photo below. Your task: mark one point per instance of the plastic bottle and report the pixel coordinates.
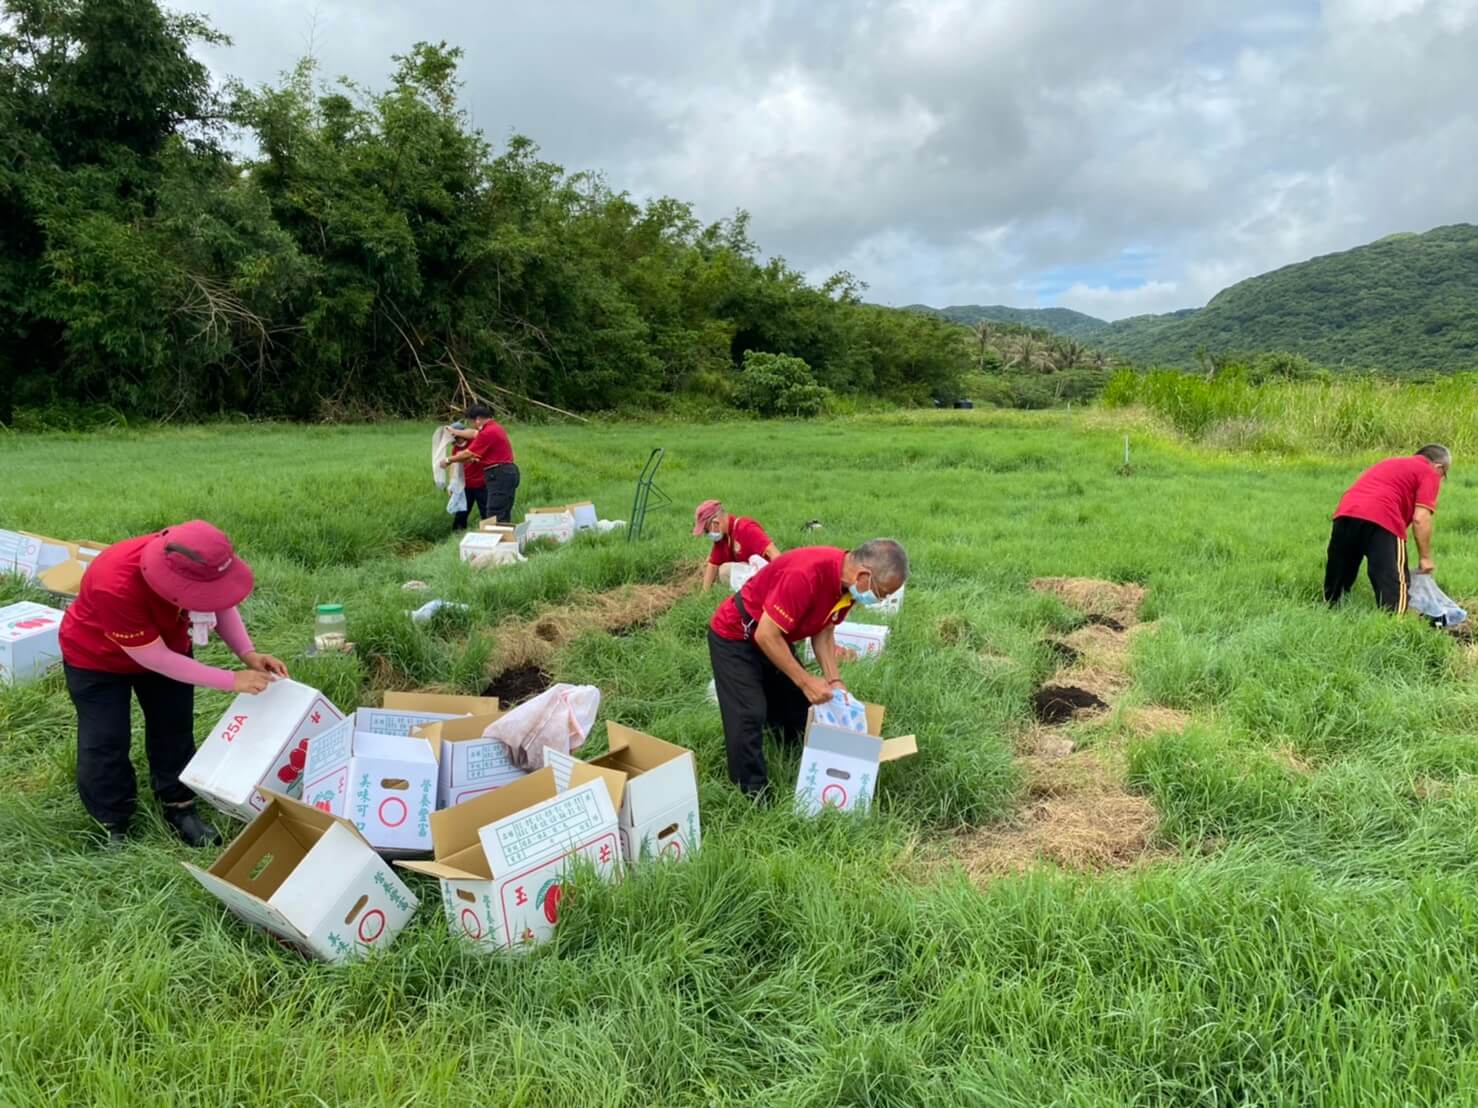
(330, 628)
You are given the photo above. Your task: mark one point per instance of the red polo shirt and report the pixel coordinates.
(491, 448)
(116, 609)
(1389, 493)
(801, 591)
(746, 539)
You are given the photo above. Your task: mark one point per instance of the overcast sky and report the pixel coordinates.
(1117, 158)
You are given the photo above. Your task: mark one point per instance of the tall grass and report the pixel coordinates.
(1308, 936)
(1356, 413)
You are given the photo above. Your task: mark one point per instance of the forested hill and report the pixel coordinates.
(1060, 321)
(1406, 302)
(375, 254)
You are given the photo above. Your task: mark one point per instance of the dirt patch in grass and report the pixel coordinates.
(1077, 811)
(619, 611)
(1145, 721)
(1106, 603)
(514, 686)
(1290, 759)
(1061, 703)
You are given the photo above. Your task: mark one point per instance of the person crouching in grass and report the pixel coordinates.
(759, 681)
(128, 634)
(1371, 521)
(735, 540)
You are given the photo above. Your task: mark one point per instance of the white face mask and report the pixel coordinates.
(201, 625)
(715, 536)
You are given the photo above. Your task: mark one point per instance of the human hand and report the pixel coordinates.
(265, 663)
(1426, 565)
(816, 690)
(446, 463)
(249, 681)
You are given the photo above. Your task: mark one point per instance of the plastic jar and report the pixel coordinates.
(330, 628)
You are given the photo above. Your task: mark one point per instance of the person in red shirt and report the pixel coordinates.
(1371, 520)
(735, 539)
(802, 594)
(128, 634)
(488, 468)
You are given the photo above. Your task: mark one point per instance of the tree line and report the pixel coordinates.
(373, 253)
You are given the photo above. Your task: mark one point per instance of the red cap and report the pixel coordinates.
(193, 566)
(703, 515)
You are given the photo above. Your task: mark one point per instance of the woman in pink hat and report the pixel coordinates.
(734, 538)
(142, 603)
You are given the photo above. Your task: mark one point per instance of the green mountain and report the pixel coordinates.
(1060, 321)
(1405, 302)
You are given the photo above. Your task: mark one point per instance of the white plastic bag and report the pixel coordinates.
(1433, 603)
(842, 711)
(558, 718)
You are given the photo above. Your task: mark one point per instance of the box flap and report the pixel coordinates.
(392, 748)
(444, 872)
(438, 702)
(635, 750)
(875, 713)
(244, 905)
(65, 579)
(614, 779)
(901, 747)
(848, 744)
(459, 729)
(455, 829)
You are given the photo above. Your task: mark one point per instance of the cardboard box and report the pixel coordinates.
(56, 564)
(384, 784)
(403, 712)
(585, 515)
(475, 544)
(492, 527)
(657, 806)
(468, 764)
(557, 524)
(855, 641)
(502, 858)
(28, 641)
(839, 768)
(261, 743)
(310, 879)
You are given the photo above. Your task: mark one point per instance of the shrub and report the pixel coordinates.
(778, 385)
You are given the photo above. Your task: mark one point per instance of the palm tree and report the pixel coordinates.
(984, 332)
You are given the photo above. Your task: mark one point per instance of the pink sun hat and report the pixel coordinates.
(193, 566)
(704, 514)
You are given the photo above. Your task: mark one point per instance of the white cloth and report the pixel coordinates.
(450, 478)
(558, 718)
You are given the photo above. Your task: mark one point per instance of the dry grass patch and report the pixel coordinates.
(1093, 597)
(534, 642)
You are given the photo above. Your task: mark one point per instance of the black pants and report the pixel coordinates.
(1353, 540)
(752, 695)
(494, 500)
(105, 777)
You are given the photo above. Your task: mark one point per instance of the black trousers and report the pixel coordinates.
(494, 500)
(753, 694)
(1354, 540)
(105, 777)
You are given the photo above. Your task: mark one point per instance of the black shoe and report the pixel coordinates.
(191, 828)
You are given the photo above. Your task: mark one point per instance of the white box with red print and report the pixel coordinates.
(259, 746)
(310, 879)
(839, 768)
(503, 857)
(384, 784)
(28, 641)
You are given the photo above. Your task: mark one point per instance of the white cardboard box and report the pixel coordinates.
(502, 858)
(28, 641)
(657, 809)
(839, 768)
(502, 530)
(261, 743)
(403, 712)
(557, 524)
(20, 553)
(855, 641)
(585, 515)
(310, 879)
(476, 544)
(468, 764)
(384, 784)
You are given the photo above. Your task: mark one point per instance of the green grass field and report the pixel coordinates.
(1304, 932)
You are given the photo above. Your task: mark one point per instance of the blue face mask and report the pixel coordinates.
(867, 599)
(715, 536)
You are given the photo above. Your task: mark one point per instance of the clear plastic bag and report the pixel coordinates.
(1432, 602)
(842, 711)
(559, 718)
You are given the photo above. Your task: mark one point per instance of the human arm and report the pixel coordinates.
(771, 640)
(770, 553)
(457, 457)
(710, 575)
(1421, 527)
(158, 658)
(466, 434)
(233, 633)
(824, 643)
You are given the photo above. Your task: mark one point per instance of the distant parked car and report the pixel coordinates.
(965, 404)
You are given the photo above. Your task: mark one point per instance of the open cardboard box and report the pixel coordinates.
(503, 531)
(502, 858)
(310, 879)
(56, 564)
(260, 743)
(403, 712)
(29, 643)
(657, 801)
(839, 768)
(468, 764)
(385, 784)
(556, 524)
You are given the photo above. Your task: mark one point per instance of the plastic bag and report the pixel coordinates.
(1432, 602)
(559, 718)
(842, 711)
